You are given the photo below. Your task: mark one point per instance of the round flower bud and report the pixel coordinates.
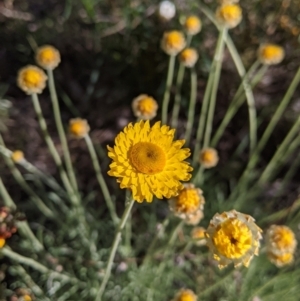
(47, 57)
(188, 204)
(209, 157)
(229, 15)
(166, 10)
(144, 107)
(188, 57)
(198, 236)
(233, 237)
(173, 42)
(185, 295)
(17, 156)
(31, 79)
(280, 240)
(270, 54)
(78, 127)
(192, 25)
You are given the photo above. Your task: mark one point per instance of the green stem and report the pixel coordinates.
(53, 150)
(216, 79)
(236, 102)
(8, 202)
(35, 265)
(60, 129)
(109, 202)
(113, 251)
(176, 107)
(166, 97)
(191, 112)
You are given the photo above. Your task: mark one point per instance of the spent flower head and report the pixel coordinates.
(188, 57)
(185, 295)
(78, 127)
(166, 10)
(198, 236)
(144, 107)
(188, 203)
(147, 161)
(233, 237)
(192, 25)
(17, 156)
(208, 157)
(31, 79)
(270, 54)
(47, 57)
(173, 42)
(229, 15)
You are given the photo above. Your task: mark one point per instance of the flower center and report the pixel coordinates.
(270, 52)
(174, 39)
(147, 158)
(146, 105)
(188, 201)
(186, 297)
(47, 55)
(232, 238)
(32, 78)
(207, 157)
(230, 12)
(284, 238)
(192, 22)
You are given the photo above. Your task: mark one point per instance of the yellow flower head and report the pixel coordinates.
(189, 57)
(270, 54)
(198, 236)
(185, 295)
(27, 298)
(192, 25)
(281, 260)
(31, 79)
(147, 161)
(78, 127)
(144, 107)
(233, 237)
(189, 201)
(17, 156)
(2, 242)
(47, 57)
(229, 15)
(280, 240)
(173, 42)
(209, 157)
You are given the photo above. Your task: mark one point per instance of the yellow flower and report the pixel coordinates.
(229, 15)
(31, 79)
(17, 156)
(78, 127)
(173, 42)
(185, 295)
(188, 203)
(198, 235)
(281, 260)
(27, 298)
(209, 157)
(144, 107)
(147, 161)
(47, 57)
(188, 57)
(270, 54)
(192, 25)
(233, 237)
(2, 242)
(280, 240)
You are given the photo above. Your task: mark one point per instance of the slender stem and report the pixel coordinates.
(113, 251)
(176, 107)
(236, 102)
(21, 181)
(109, 202)
(216, 78)
(8, 202)
(53, 150)
(60, 129)
(34, 264)
(166, 97)
(191, 112)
